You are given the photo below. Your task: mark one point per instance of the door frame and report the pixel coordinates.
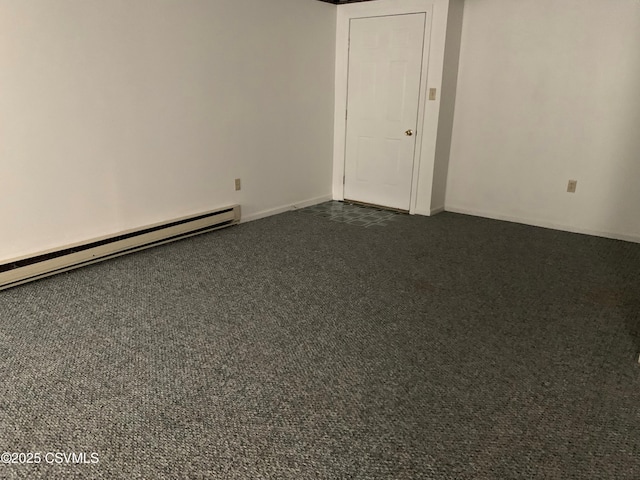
(427, 111)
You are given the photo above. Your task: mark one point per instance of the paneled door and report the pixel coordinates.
(385, 67)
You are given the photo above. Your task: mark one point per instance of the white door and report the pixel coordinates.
(385, 66)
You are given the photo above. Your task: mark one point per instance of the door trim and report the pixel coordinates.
(378, 8)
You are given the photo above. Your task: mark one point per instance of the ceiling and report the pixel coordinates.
(340, 2)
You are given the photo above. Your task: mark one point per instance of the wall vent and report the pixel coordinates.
(21, 270)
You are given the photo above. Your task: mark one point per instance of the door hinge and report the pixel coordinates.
(343, 181)
(346, 114)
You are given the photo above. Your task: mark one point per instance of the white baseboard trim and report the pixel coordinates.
(285, 208)
(544, 224)
(428, 213)
(424, 213)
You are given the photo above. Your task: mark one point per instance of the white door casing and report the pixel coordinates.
(427, 132)
(384, 80)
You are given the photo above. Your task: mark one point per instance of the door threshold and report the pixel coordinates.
(373, 205)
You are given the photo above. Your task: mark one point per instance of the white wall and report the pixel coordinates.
(121, 113)
(547, 92)
(447, 104)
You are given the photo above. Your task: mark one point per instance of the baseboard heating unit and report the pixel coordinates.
(21, 270)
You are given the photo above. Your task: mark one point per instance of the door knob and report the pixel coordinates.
(408, 133)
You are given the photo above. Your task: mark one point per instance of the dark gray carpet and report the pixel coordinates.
(296, 347)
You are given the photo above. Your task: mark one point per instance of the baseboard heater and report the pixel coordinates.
(26, 269)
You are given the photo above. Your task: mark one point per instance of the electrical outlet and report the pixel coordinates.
(571, 186)
(237, 184)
